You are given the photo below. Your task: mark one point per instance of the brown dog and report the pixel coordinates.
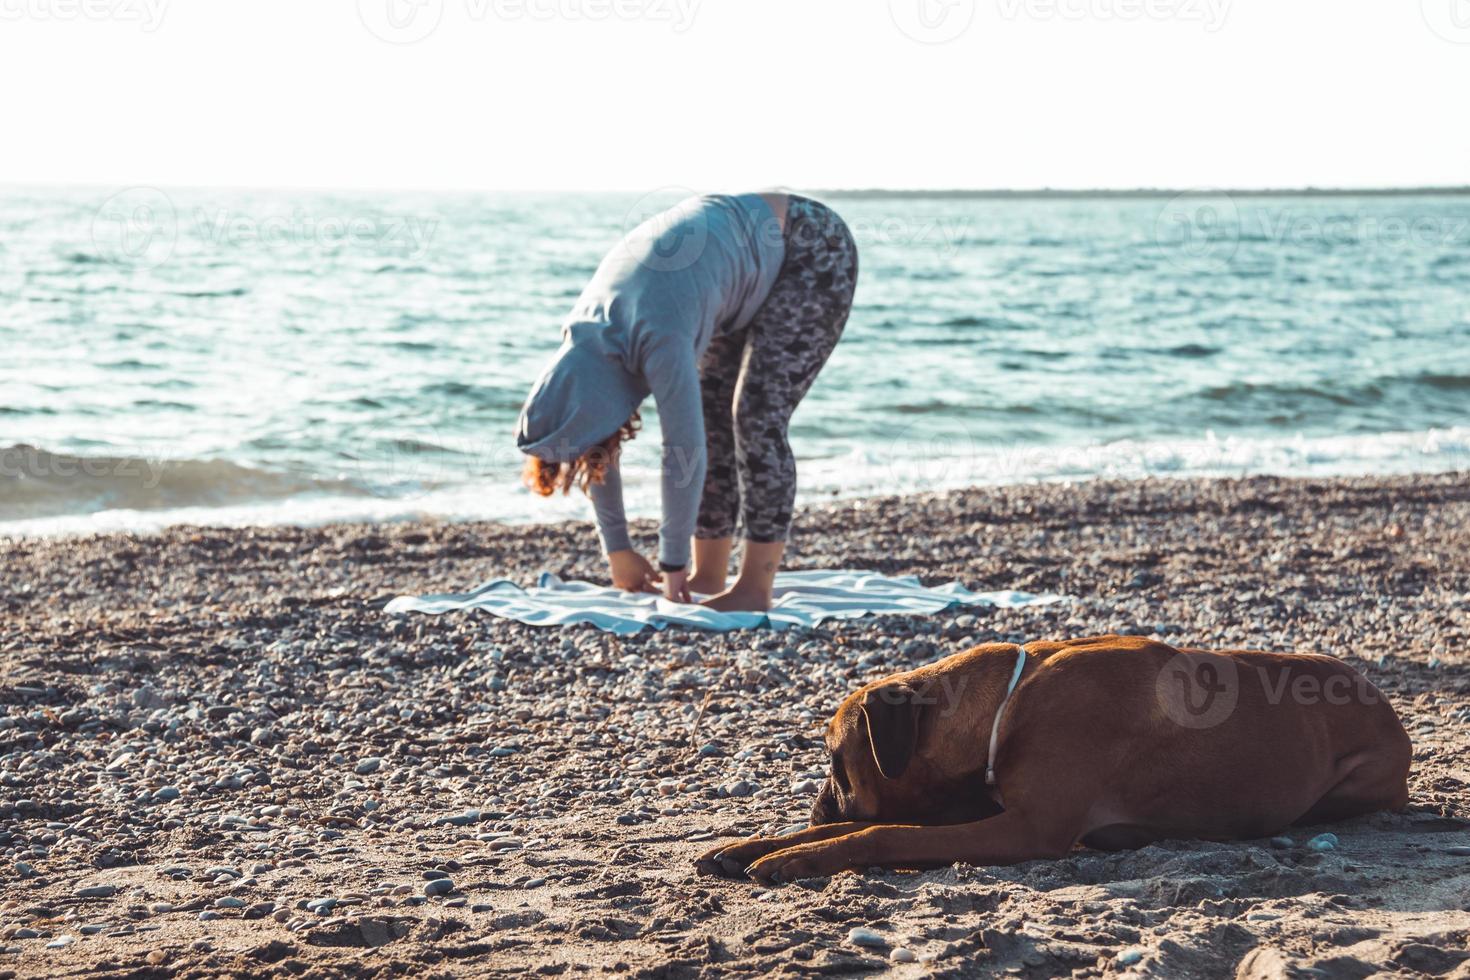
(1111, 741)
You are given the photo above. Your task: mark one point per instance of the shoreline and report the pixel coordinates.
(207, 729)
(837, 479)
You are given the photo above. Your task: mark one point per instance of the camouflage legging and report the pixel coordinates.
(752, 380)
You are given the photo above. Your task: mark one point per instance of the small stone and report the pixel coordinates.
(61, 942)
(806, 787)
(1322, 842)
(902, 954)
(1130, 956)
(369, 766)
(96, 891)
(208, 916)
(229, 902)
(866, 937)
(167, 793)
(1282, 843)
(1458, 850)
(156, 957)
(739, 788)
(439, 886)
(535, 883)
(460, 819)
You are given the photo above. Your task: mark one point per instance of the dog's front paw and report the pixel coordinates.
(731, 860)
(802, 861)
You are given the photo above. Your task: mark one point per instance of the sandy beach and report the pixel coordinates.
(219, 756)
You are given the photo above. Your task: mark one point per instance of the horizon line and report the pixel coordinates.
(848, 192)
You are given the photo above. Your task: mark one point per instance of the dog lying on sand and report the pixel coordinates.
(1005, 753)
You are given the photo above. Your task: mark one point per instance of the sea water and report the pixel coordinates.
(257, 357)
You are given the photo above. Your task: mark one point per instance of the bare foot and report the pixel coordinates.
(738, 600)
(705, 585)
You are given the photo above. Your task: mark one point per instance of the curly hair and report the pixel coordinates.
(544, 478)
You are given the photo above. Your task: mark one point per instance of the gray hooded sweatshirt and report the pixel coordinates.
(640, 327)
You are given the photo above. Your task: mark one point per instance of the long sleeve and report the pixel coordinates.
(607, 504)
(673, 376)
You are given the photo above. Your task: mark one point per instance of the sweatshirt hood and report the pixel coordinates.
(584, 395)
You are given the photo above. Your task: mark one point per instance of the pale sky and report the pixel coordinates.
(639, 94)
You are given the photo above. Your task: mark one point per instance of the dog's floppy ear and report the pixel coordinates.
(891, 712)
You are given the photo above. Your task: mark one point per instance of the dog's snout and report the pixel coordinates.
(825, 808)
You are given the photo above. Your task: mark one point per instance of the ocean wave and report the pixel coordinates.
(953, 461)
(35, 483)
(231, 293)
(901, 466)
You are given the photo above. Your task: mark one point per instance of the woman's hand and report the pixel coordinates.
(631, 572)
(676, 585)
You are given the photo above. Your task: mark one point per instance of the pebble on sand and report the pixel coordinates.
(1130, 956)
(1322, 842)
(439, 886)
(96, 891)
(866, 937)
